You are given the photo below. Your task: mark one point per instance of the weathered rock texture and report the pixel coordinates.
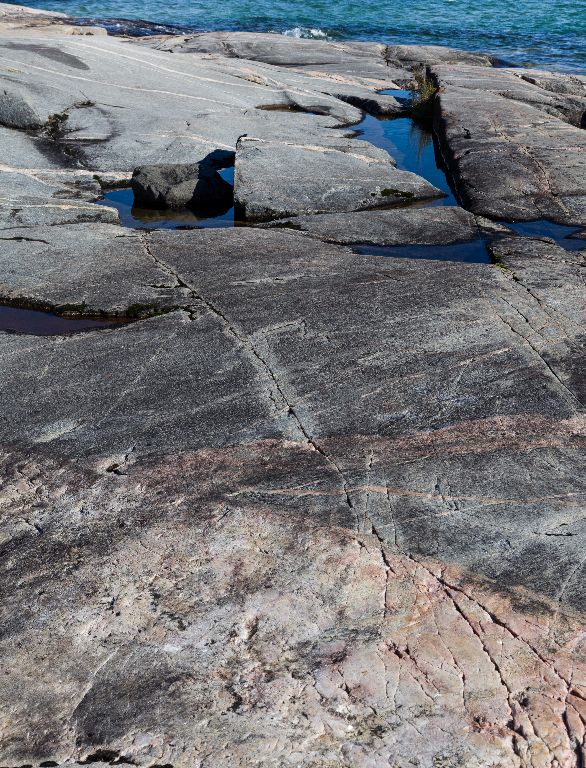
(111, 106)
(95, 268)
(513, 143)
(359, 64)
(237, 542)
(328, 509)
(404, 226)
(276, 179)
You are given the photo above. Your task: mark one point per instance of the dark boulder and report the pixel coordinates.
(198, 186)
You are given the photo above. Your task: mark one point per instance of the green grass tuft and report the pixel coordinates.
(422, 106)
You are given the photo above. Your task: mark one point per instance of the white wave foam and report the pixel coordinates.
(311, 33)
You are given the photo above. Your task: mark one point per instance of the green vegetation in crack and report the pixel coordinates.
(70, 309)
(142, 311)
(26, 302)
(55, 125)
(424, 96)
(498, 260)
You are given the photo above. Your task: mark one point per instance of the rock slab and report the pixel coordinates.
(276, 179)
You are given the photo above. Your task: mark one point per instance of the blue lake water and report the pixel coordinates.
(549, 33)
(413, 148)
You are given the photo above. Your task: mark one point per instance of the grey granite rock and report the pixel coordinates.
(362, 64)
(417, 55)
(316, 103)
(303, 90)
(356, 63)
(16, 112)
(21, 213)
(554, 316)
(556, 82)
(510, 157)
(562, 96)
(110, 106)
(276, 179)
(94, 268)
(259, 517)
(46, 196)
(402, 226)
(196, 185)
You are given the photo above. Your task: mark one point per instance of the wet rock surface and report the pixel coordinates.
(323, 508)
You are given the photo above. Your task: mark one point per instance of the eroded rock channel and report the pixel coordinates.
(316, 507)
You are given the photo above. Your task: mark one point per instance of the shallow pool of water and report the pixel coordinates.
(472, 252)
(37, 323)
(413, 148)
(401, 94)
(543, 228)
(154, 218)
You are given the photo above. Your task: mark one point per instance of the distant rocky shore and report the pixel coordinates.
(298, 502)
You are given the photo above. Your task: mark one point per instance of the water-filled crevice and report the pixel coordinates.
(561, 234)
(414, 147)
(472, 251)
(36, 322)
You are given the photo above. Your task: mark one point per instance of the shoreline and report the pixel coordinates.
(144, 27)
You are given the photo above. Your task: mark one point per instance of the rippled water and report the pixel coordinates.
(535, 32)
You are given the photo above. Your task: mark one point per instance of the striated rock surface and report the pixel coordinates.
(509, 144)
(357, 63)
(402, 226)
(45, 194)
(322, 509)
(111, 106)
(276, 179)
(252, 562)
(410, 55)
(93, 268)
(361, 63)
